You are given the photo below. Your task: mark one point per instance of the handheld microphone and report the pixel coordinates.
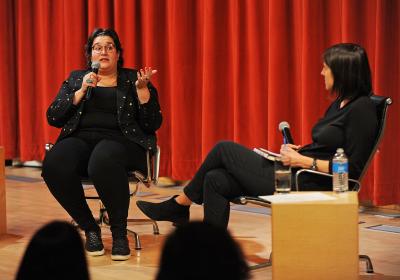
(285, 129)
(95, 69)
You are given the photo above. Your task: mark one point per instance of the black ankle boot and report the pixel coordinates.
(168, 210)
(94, 244)
(120, 249)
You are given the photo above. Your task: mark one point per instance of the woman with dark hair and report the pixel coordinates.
(231, 170)
(201, 251)
(103, 136)
(54, 252)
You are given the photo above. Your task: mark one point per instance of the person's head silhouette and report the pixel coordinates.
(199, 250)
(54, 252)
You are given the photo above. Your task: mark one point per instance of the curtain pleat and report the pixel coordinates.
(227, 70)
(8, 83)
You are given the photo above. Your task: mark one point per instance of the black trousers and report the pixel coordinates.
(105, 159)
(229, 170)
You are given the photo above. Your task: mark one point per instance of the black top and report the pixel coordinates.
(137, 122)
(352, 128)
(100, 111)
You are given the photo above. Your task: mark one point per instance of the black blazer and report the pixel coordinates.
(138, 122)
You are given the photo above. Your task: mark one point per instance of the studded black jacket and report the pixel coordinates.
(138, 122)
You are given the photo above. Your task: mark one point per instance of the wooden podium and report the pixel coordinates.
(3, 221)
(316, 239)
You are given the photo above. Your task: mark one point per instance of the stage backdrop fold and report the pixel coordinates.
(227, 70)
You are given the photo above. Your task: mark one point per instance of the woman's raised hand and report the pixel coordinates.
(144, 76)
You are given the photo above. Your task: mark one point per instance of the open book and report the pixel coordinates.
(267, 154)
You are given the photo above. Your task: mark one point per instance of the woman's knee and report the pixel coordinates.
(65, 158)
(98, 165)
(221, 147)
(54, 166)
(106, 156)
(224, 144)
(101, 163)
(46, 167)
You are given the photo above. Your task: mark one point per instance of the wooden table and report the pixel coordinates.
(3, 221)
(316, 239)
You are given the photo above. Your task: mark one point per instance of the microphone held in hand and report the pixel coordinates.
(95, 69)
(285, 129)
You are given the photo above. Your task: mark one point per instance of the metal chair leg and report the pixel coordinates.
(103, 216)
(136, 236)
(138, 245)
(156, 231)
(368, 263)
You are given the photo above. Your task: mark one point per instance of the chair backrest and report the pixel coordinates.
(382, 103)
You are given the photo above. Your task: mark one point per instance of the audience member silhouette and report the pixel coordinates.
(198, 250)
(54, 252)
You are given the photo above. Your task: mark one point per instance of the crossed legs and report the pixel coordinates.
(229, 170)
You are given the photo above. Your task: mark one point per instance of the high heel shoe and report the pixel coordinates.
(168, 210)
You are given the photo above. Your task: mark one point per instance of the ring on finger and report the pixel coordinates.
(89, 81)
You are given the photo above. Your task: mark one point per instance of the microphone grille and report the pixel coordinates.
(283, 125)
(95, 65)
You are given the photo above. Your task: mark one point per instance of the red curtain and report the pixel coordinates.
(227, 70)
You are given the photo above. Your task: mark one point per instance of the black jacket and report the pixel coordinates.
(138, 122)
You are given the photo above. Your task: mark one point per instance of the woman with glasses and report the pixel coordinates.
(108, 119)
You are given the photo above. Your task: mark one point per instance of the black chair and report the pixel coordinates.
(382, 104)
(136, 180)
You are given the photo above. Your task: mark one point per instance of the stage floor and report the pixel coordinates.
(30, 205)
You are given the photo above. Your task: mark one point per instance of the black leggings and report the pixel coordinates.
(106, 161)
(229, 170)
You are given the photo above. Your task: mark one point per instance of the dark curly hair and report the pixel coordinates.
(103, 32)
(350, 68)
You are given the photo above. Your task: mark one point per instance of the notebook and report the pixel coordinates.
(267, 154)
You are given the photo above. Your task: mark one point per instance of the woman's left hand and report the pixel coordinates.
(289, 155)
(143, 77)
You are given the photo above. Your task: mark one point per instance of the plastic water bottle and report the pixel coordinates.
(340, 171)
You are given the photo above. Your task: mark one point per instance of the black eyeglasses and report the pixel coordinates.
(99, 48)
